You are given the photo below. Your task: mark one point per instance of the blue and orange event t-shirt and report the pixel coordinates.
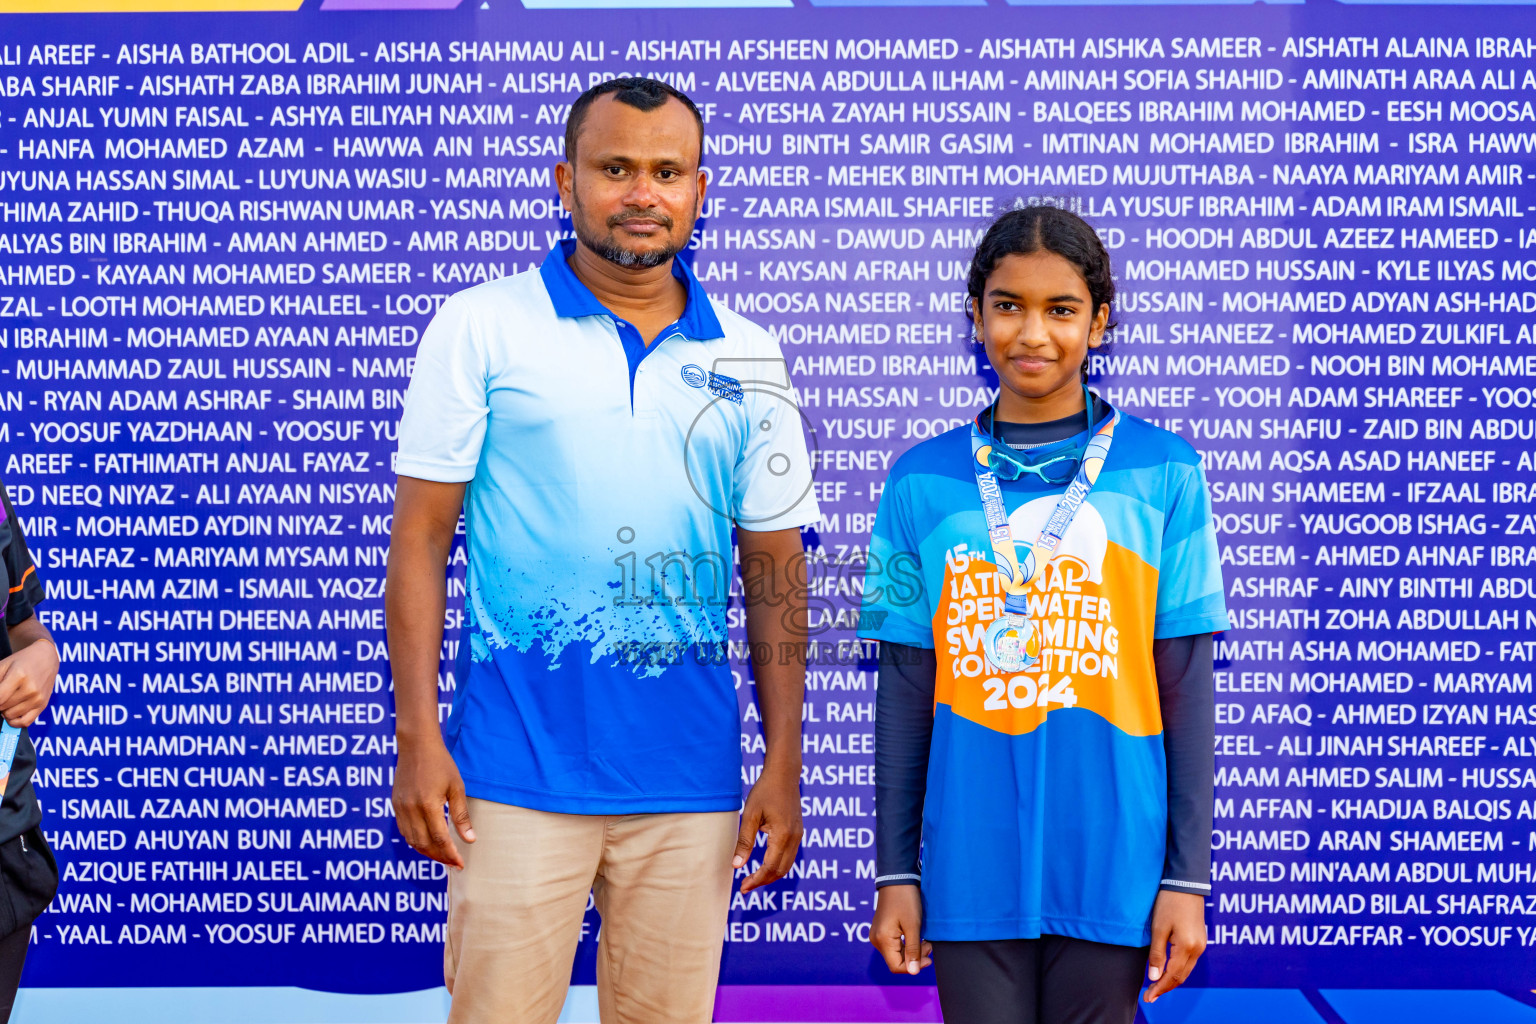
(1047, 798)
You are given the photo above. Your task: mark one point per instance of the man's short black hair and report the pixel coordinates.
(640, 93)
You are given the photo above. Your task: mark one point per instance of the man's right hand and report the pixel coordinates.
(425, 780)
(897, 929)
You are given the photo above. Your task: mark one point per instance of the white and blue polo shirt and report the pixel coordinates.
(604, 479)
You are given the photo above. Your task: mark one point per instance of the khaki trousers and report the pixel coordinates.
(661, 882)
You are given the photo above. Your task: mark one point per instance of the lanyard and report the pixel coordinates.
(1017, 577)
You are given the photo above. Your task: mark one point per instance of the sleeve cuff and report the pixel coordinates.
(902, 879)
(1174, 885)
(795, 519)
(884, 624)
(433, 471)
(1189, 625)
(926, 644)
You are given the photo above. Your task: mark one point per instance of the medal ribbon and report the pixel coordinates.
(1016, 577)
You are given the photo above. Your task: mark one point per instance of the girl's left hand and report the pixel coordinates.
(1177, 918)
(26, 682)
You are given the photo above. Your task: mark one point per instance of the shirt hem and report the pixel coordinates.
(567, 803)
(1113, 934)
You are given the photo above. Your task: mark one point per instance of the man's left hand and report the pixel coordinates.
(1177, 918)
(26, 682)
(773, 806)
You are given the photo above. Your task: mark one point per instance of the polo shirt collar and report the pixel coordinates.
(571, 298)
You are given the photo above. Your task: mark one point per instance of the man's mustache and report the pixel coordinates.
(630, 216)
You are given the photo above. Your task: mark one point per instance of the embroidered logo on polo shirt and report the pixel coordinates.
(728, 388)
(694, 376)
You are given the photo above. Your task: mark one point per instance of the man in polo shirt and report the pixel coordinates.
(602, 426)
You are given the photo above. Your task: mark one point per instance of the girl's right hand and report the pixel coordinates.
(897, 929)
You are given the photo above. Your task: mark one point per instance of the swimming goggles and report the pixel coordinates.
(1009, 464)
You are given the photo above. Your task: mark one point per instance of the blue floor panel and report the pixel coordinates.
(1231, 1006)
(1427, 1006)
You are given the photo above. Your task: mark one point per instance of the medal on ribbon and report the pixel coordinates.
(1013, 642)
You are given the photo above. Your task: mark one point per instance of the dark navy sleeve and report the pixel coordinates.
(1186, 690)
(26, 591)
(903, 733)
(19, 809)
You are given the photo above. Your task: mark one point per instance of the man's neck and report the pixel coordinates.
(635, 293)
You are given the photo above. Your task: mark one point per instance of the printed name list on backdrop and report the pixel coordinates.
(221, 237)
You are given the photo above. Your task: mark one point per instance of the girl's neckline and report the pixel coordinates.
(1033, 435)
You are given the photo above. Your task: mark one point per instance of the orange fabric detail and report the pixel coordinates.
(1099, 658)
(18, 586)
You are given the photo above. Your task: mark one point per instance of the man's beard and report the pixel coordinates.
(610, 249)
(616, 254)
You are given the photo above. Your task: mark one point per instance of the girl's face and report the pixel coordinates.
(1037, 323)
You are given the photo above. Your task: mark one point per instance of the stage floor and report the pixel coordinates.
(757, 1005)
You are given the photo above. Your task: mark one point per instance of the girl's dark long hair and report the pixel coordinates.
(1032, 229)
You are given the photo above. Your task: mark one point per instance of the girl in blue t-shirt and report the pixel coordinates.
(1045, 584)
